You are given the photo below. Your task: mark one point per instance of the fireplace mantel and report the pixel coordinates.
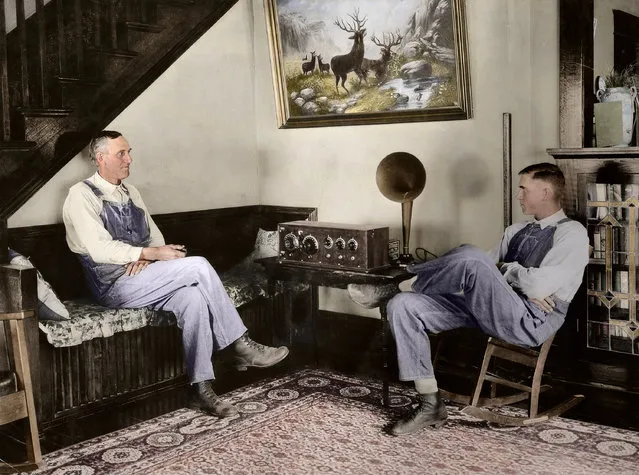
(594, 153)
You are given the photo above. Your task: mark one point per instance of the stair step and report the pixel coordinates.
(16, 146)
(117, 53)
(74, 91)
(78, 81)
(14, 155)
(143, 27)
(50, 112)
(176, 3)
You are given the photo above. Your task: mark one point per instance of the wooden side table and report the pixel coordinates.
(338, 278)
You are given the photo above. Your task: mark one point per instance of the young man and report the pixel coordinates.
(127, 264)
(522, 300)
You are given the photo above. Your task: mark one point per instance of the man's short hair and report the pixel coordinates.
(98, 142)
(550, 173)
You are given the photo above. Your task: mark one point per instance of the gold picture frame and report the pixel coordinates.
(333, 66)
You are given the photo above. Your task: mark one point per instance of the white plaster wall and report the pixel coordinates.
(604, 43)
(192, 132)
(513, 48)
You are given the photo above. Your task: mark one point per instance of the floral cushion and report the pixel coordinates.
(243, 283)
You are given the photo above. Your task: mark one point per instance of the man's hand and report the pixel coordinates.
(547, 304)
(135, 267)
(163, 253)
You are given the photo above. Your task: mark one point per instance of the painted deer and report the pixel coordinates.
(345, 63)
(323, 67)
(380, 66)
(309, 66)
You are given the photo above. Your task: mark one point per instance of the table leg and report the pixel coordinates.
(385, 376)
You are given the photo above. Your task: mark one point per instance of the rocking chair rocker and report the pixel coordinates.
(533, 358)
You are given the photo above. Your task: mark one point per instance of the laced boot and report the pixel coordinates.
(250, 353)
(204, 398)
(431, 411)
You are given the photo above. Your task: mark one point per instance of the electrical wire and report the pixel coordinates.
(422, 254)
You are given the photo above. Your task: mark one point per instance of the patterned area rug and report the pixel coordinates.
(319, 422)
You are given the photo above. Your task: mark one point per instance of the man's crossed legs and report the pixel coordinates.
(462, 288)
(192, 290)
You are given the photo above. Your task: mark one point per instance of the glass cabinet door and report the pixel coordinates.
(612, 289)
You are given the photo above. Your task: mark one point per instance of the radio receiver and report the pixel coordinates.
(333, 245)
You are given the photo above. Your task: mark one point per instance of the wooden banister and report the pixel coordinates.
(97, 23)
(79, 49)
(42, 54)
(4, 80)
(24, 66)
(62, 51)
(113, 18)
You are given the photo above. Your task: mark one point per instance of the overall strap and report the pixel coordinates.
(94, 188)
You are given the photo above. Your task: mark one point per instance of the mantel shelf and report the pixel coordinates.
(595, 153)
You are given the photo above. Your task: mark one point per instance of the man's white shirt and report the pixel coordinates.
(85, 230)
(560, 272)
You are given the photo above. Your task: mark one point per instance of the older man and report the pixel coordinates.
(523, 300)
(127, 264)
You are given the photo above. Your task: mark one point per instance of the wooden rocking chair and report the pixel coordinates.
(533, 358)
(16, 396)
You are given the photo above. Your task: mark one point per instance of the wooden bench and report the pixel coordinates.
(102, 372)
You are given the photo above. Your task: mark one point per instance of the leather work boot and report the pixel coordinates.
(250, 353)
(369, 295)
(204, 398)
(431, 411)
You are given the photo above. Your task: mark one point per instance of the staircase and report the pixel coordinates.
(70, 68)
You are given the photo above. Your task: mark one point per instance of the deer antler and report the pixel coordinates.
(389, 40)
(394, 41)
(354, 27)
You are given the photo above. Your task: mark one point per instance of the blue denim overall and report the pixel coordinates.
(464, 288)
(188, 287)
(125, 222)
(529, 247)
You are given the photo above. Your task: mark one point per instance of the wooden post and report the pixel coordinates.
(4, 241)
(79, 47)
(62, 50)
(113, 17)
(5, 134)
(24, 66)
(575, 73)
(97, 23)
(42, 53)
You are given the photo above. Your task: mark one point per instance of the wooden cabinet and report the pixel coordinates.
(608, 207)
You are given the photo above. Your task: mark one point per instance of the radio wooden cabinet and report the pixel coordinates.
(607, 203)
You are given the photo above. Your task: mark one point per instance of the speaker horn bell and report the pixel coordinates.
(401, 177)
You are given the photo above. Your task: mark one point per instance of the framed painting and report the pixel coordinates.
(351, 62)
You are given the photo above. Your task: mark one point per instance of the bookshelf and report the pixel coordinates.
(607, 320)
(611, 217)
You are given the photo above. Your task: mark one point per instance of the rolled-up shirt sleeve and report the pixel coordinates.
(564, 262)
(86, 233)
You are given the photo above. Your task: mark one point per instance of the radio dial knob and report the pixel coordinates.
(310, 245)
(291, 242)
(352, 244)
(328, 242)
(340, 244)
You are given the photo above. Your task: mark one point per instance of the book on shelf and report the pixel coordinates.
(601, 195)
(596, 244)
